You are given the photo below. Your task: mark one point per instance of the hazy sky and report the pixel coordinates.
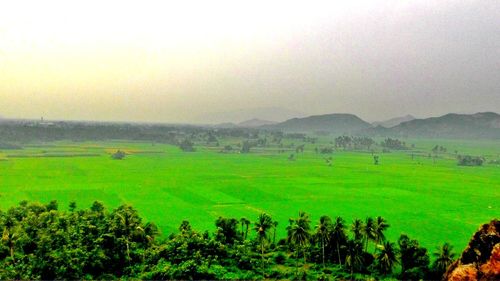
(174, 61)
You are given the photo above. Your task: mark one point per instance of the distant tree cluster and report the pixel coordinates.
(439, 149)
(4, 145)
(324, 150)
(394, 144)
(118, 155)
(246, 146)
(187, 146)
(347, 142)
(468, 160)
(298, 136)
(41, 242)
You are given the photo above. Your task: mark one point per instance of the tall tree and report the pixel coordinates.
(444, 256)
(244, 222)
(299, 233)
(369, 231)
(414, 259)
(354, 255)
(386, 257)
(380, 226)
(357, 229)
(275, 226)
(262, 227)
(323, 229)
(338, 236)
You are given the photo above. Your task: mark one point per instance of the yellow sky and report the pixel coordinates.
(166, 60)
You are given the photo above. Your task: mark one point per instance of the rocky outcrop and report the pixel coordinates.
(481, 259)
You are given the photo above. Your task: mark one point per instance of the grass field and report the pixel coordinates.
(432, 202)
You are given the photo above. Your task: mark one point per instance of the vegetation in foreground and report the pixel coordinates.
(42, 242)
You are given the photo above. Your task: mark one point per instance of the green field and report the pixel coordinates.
(432, 202)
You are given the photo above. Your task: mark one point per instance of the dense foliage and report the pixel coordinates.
(39, 241)
(468, 160)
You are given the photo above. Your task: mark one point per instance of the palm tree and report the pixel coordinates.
(379, 227)
(354, 255)
(244, 228)
(444, 257)
(338, 235)
(275, 225)
(386, 258)
(369, 231)
(299, 233)
(323, 230)
(262, 226)
(9, 237)
(357, 229)
(247, 224)
(242, 221)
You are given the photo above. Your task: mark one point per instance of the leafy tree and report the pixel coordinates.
(227, 230)
(414, 259)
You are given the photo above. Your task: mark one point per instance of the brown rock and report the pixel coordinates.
(481, 259)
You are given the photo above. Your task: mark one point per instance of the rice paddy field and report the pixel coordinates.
(432, 200)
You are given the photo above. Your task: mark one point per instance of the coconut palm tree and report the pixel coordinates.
(299, 233)
(262, 226)
(323, 229)
(380, 226)
(357, 229)
(354, 255)
(369, 231)
(244, 228)
(275, 226)
(386, 257)
(9, 238)
(338, 235)
(444, 257)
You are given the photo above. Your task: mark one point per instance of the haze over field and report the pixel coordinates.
(182, 61)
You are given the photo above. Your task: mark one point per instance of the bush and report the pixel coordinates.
(187, 146)
(118, 155)
(280, 258)
(326, 150)
(468, 160)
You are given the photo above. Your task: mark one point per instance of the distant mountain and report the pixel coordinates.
(479, 125)
(332, 123)
(255, 122)
(393, 121)
(275, 114)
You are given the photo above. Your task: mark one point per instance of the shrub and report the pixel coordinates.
(118, 155)
(468, 160)
(280, 258)
(187, 146)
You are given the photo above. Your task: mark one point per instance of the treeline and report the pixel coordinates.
(39, 241)
(27, 131)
